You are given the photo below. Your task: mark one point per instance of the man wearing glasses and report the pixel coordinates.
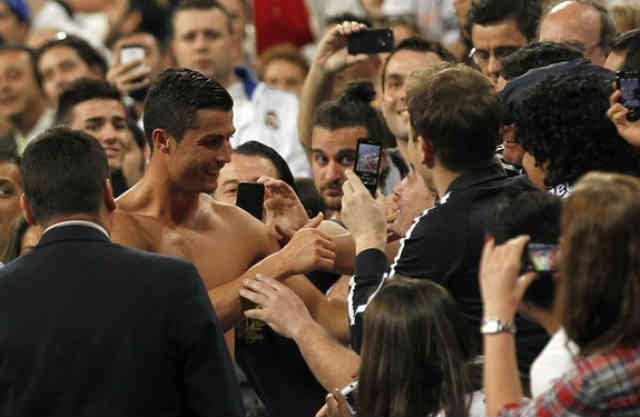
(582, 23)
(498, 28)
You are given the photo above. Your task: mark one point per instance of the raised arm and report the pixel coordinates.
(331, 58)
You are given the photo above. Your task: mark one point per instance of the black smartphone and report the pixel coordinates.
(628, 83)
(368, 156)
(370, 41)
(539, 257)
(349, 391)
(250, 198)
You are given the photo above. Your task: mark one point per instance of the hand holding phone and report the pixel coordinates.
(349, 392)
(250, 198)
(368, 157)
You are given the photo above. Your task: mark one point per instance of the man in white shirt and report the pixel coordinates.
(203, 40)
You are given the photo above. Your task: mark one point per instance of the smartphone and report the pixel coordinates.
(250, 198)
(131, 52)
(370, 41)
(368, 156)
(349, 392)
(539, 257)
(628, 82)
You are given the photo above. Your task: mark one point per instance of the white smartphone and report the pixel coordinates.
(131, 52)
(349, 392)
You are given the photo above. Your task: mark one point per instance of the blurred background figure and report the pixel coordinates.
(22, 239)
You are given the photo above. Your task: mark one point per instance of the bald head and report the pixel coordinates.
(584, 23)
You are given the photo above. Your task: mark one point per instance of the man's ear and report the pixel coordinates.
(428, 151)
(109, 200)
(162, 141)
(26, 209)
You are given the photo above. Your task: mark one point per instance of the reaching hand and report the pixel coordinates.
(363, 215)
(332, 52)
(309, 249)
(277, 305)
(617, 113)
(500, 285)
(129, 77)
(284, 212)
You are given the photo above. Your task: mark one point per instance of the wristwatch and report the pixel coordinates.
(495, 326)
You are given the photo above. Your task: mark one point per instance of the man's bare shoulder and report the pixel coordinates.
(239, 219)
(128, 230)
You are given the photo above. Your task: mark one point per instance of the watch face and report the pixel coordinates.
(490, 327)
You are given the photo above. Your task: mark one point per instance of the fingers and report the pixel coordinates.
(322, 412)
(347, 28)
(523, 283)
(284, 232)
(313, 223)
(355, 182)
(615, 97)
(617, 113)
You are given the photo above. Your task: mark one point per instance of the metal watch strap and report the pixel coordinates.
(495, 326)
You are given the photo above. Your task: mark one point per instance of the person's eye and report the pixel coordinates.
(320, 159)
(92, 127)
(6, 191)
(347, 160)
(505, 52)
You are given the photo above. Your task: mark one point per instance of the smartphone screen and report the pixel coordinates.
(370, 41)
(540, 257)
(368, 157)
(131, 52)
(629, 85)
(250, 198)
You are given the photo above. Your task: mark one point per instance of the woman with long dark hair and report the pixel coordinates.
(417, 355)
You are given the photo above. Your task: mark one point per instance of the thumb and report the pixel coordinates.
(524, 281)
(313, 223)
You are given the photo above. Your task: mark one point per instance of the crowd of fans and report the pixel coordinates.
(503, 130)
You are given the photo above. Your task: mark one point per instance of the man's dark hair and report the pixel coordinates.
(629, 42)
(176, 96)
(456, 109)
(153, 18)
(353, 108)
(337, 19)
(418, 44)
(525, 12)
(137, 133)
(562, 123)
(536, 55)
(537, 214)
(607, 25)
(255, 148)
(199, 5)
(85, 51)
(82, 90)
(63, 172)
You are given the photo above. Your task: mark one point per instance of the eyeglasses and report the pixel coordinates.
(481, 56)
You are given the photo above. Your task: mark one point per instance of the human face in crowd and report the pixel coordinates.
(202, 41)
(411, 197)
(492, 43)
(152, 55)
(394, 99)
(134, 160)
(10, 192)
(196, 161)
(513, 151)
(575, 24)
(286, 75)
(30, 239)
(615, 60)
(237, 10)
(59, 66)
(535, 174)
(105, 120)
(333, 152)
(19, 90)
(12, 29)
(242, 168)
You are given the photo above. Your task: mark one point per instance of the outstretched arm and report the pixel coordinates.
(333, 364)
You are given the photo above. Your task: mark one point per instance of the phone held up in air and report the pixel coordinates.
(539, 257)
(349, 392)
(250, 198)
(131, 52)
(368, 157)
(628, 82)
(370, 41)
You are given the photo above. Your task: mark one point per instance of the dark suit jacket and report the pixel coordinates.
(90, 328)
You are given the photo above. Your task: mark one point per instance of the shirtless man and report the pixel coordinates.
(188, 120)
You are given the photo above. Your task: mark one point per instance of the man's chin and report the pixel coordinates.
(333, 203)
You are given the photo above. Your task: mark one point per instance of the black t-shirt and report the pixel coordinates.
(444, 245)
